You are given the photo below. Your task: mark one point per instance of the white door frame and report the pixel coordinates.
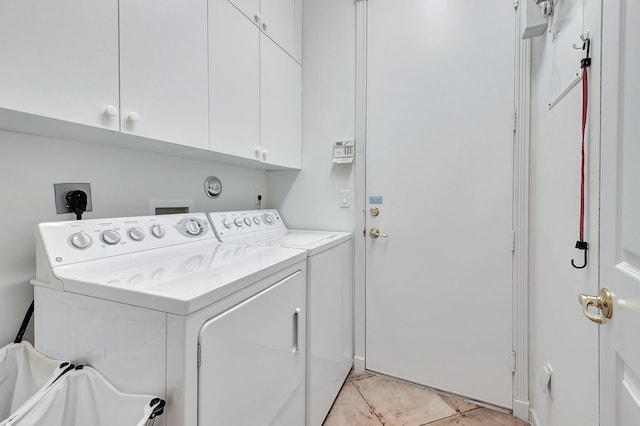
(520, 207)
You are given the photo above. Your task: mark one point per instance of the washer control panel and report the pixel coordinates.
(77, 241)
(229, 224)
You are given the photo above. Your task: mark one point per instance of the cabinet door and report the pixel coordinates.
(60, 59)
(234, 81)
(279, 22)
(250, 8)
(252, 369)
(281, 106)
(163, 70)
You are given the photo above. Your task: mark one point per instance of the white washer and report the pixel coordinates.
(329, 296)
(159, 306)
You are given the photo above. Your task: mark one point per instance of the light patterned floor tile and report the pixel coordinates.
(398, 403)
(457, 404)
(358, 376)
(480, 417)
(350, 409)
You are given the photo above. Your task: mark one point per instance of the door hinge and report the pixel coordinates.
(513, 361)
(513, 241)
(199, 356)
(514, 125)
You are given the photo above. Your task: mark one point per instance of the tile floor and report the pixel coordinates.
(370, 399)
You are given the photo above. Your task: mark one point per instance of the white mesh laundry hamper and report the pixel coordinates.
(24, 372)
(82, 397)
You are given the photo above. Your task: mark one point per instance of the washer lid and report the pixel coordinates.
(178, 280)
(312, 241)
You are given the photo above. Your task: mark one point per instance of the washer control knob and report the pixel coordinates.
(227, 223)
(268, 219)
(193, 227)
(158, 231)
(247, 220)
(256, 220)
(80, 240)
(136, 234)
(238, 222)
(110, 237)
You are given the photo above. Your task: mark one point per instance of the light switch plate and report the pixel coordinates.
(345, 198)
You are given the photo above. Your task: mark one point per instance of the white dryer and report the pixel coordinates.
(159, 306)
(329, 296)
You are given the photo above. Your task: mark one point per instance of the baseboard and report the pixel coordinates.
(521, 409)
(533, 418)
(358, 364)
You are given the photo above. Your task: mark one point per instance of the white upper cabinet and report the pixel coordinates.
(60, 60)
(234, 83)
(281, 20)
(163, 70)
(255, 100)
(281, 106)
(250, 8)
(278, 22)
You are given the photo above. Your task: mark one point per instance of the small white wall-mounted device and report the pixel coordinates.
(344, 151)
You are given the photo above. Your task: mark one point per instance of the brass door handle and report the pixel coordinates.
(375, 233)
(603, 301)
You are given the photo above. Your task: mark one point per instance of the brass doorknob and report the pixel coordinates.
(375, 233)
(603, 301)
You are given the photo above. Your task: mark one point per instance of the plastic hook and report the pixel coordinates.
(584, 246)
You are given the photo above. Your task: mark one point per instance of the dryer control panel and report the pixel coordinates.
(82, 240)
(236, 223)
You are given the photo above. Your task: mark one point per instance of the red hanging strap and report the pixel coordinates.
(585, 63)
(585, 107)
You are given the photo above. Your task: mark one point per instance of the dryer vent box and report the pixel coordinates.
(158, 207)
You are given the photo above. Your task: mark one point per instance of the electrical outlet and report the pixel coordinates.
(61, 189)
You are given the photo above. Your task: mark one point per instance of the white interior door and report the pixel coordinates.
(439, 153)
(620, 214)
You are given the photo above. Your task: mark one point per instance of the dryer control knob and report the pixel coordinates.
(193, 227)
(238, 222)
(247, 220)
(80, 240)
(110, 237)
(268, 219)
(227, 223)
(158, 231)
(136, 234)
(256, 220)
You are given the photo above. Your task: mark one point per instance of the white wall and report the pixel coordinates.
(122, 182)
(310, 198)
(559, 333)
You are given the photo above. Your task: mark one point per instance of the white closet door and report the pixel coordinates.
(163, 70)
(234, 81)
(439, 168)
(252, 369)
(60, 59)
(281, 106)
